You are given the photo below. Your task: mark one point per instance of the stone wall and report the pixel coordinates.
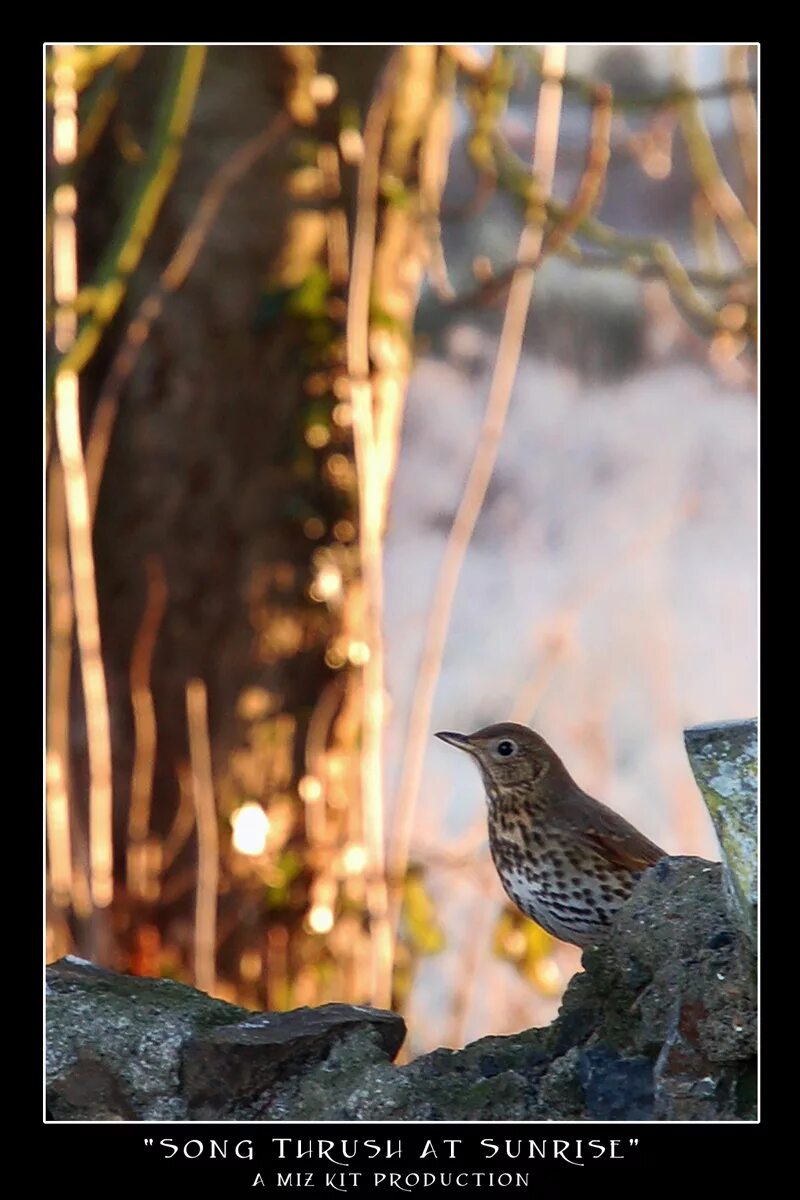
(661, 1024)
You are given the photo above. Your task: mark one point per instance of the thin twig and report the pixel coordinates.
(70, 449)
(706, 234)
(745, 122)
(207, 881)
(508, 355)
(103, 102)
(402, 249)
(94, 115)
(182, 825)
(666, 98)
(369, 528)
(434, 158)
(317, 737)
(58, 675)
(468, 60)
(712, 180)
(515, 176)
(139, 874)
(84, 62)
(139, 218)
(84, 588)
(590, 187)
(631, 264)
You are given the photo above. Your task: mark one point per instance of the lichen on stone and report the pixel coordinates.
(724, 759)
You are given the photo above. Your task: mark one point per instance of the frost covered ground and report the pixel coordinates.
(609, 595)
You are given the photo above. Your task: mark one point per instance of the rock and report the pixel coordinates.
(724, 759)
(230, 1071)
(615, 1087)
(661, 1024)
(688, 1087)
(671, 988)
(120, 1047)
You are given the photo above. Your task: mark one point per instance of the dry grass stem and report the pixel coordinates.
(207, 878)
(58, 675)
(370, 500)
(70, 448)
(140, 874)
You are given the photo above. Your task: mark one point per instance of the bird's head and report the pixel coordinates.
(508, 754)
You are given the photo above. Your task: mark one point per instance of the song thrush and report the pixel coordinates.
(566, 860)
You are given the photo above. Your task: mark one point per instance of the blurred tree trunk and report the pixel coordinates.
(209, 478)
(229, 532)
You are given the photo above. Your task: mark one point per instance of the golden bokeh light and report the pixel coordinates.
(313, 528)
(354, 859)
(358, 652)
(351, 145)
(336, 654)
(310, 789)
(515, 943)
(344, 531)
(250, 965)
(318, 436)
(341, 389)
(547, 975)
(255, 702)
(323, 90)
(250, 826)
(320, 918)
(328, 583)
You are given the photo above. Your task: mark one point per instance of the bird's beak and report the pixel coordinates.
(459, 740)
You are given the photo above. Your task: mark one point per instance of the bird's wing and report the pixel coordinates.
(618, 841)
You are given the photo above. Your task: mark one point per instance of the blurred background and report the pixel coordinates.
(325, 474)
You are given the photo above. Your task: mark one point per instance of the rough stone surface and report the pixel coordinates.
(150, 1049)
(660, 1024)
(724, 758)
(228, 1072)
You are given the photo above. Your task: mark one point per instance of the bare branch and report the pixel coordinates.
(591, 184)
(712, 180)
(369, 527)
(125, 251)
(513, 175)
(207, 874)
(633, 264)
(586, 88)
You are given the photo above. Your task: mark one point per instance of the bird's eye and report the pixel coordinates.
(506, 748)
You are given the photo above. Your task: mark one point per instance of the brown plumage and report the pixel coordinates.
(566, 860)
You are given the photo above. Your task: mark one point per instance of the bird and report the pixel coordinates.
(565, 860)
